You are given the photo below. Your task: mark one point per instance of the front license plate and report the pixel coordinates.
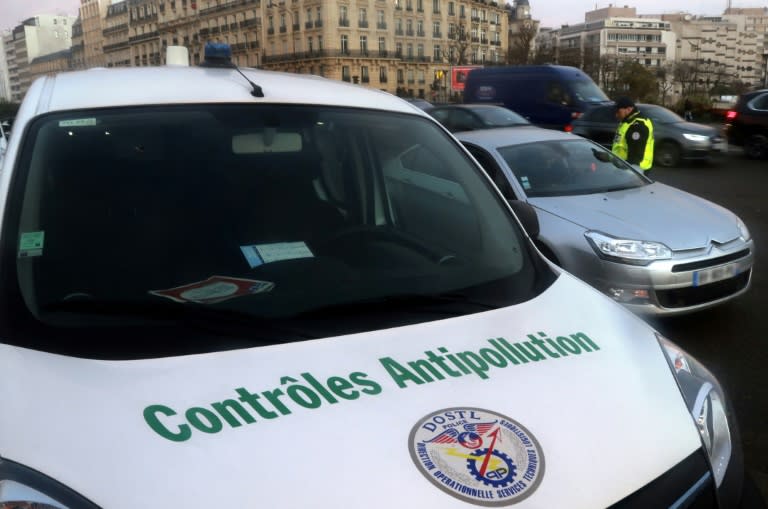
(706, 276)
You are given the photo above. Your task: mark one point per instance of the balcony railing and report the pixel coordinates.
(437, 35)
(382, 79)
(143, 37)
(318, 23)
(308, 24)
(362, 24)
(381, 25)
(343, 22)
(227, 6)
(283, 29)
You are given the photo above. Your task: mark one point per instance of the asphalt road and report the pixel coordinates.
(732, 340)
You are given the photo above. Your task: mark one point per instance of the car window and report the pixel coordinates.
(760, 102)
(464, 120)
(602, 114)
(500, 117)
(559, 168)
(659, 114)
(492, 169)
(586, 90)
(149, 217)
(558, 94)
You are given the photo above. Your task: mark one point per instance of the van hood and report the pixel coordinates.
(655, 212)
(357, 421)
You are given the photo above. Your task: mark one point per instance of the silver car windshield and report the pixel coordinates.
(560, 168)
(272, 213)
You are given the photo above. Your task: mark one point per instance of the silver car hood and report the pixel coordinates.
(655, 212)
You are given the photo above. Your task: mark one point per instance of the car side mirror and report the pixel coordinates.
(527, 216)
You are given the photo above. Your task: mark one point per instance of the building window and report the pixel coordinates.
(364, 44)
(345, 76)
(320, 43)
(382, 74)
(436, 29)
(309, 44)
(420, 50)
(409, 51)
(344, 44)
(436, 53)
(451, 9)
(382, 44)
(365, 77)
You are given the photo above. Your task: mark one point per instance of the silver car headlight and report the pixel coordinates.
(695, 137)
(743, 230)
(25, 488)
(634, 252)
(707, 404)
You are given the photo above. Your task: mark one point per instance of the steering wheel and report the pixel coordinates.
(384, 234)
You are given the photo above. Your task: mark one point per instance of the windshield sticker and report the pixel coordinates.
(31, 244)
(525, 182)
(478, 456)
(215, 289)
(78, 122)
(306, 392)
(258, 254)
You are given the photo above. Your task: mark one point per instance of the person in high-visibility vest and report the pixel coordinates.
(633, 141)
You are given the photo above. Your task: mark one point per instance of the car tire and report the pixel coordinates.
(667, 154)
(756, 146)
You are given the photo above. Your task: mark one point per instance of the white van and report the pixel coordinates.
(239, 288)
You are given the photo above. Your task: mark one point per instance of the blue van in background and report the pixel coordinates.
(550, 96)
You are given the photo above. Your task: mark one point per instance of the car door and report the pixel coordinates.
(600, 125)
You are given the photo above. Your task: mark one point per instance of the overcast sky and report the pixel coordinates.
(552, 13)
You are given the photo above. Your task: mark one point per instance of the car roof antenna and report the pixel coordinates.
(220, 55)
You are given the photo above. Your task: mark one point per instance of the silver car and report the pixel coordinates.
(654, 248)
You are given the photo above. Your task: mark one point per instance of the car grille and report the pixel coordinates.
(689, 484)
(693, 295)
(712, 262)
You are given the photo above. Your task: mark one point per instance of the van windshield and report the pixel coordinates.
(587, 91)
(237, 224)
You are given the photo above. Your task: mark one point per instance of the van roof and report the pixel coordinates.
(547, 69)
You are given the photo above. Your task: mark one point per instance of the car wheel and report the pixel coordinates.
(756, 146)
(667, 154)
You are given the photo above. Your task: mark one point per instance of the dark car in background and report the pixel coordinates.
(471, 117)
(675, 139)
(746, 125)
(420, 103)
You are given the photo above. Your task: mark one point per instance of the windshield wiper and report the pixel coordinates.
(447, 303)
(195, 316)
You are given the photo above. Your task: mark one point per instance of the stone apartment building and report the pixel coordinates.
(733, 46)
(34, 37)
(398, 46)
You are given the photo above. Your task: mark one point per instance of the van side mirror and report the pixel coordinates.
(527, 216)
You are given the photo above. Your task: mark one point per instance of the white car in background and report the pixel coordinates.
(220, 290)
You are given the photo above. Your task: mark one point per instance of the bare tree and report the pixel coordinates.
(459, 42)
(521, 42)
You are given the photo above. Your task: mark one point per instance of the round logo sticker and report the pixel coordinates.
(477, 455)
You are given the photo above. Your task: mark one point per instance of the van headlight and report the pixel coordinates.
(707, 404)
(634, 252)
(25, 488)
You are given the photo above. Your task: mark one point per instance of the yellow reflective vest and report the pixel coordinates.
(621, 144)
